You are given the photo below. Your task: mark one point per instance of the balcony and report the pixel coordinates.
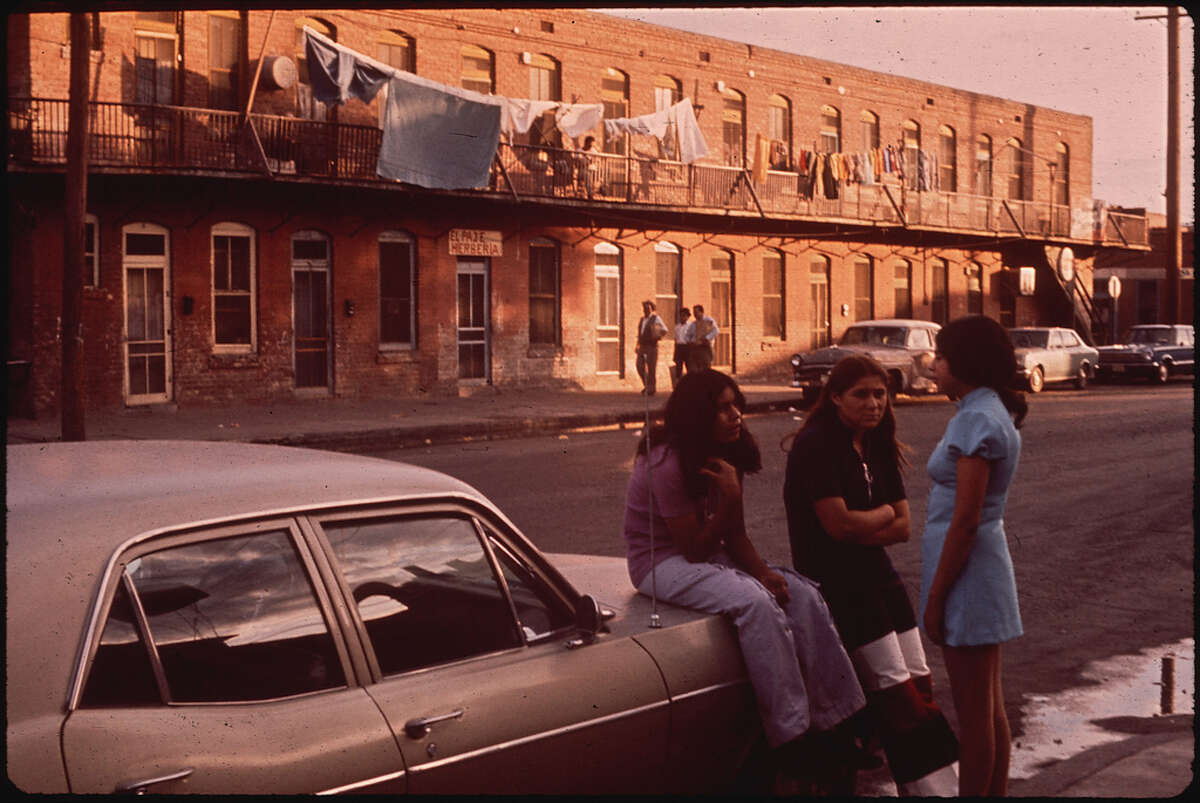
(183, 139)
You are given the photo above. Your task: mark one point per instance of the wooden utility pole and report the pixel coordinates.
(74, 213)
(1174, 235)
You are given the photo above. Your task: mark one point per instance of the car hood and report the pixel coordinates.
(832, 354)
(1130, 348)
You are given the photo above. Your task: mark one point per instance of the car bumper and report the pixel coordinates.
(1135, 369)
(811, 379)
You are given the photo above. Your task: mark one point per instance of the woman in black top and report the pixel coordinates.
(845, 502)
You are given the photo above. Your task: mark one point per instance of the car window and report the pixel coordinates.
(424, 588)
(1070, 338)
(231, 620)
(540, 611)
(920, 339)
(1057, 340)
(854, 335)
(1027, 339)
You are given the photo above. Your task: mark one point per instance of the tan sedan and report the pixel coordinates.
(228, 618)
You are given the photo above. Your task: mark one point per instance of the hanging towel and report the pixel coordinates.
(330, 68)
(518, 114)
(691, 141)
(762, 158)
(574, 119)
(654, 124)
(442, 138)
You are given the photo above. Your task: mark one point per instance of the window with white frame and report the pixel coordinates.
(1014, 168)
(911, 136)
(733, 127)
(233, 286)
(902, 284)
(397, 290)
(668, 276)
(983, 165)
(91, 251)
(478, 69)
(831, 130)
(614, 95)
(545, 83)
(947, 159)
(870, 129)
(608, 308)
(864, 288)
(779, 131)
(773, 295)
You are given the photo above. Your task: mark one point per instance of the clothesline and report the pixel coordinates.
(445, 137)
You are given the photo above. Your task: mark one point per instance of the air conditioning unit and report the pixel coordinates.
(278, 72)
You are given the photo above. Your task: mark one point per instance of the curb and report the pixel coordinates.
(386, 439)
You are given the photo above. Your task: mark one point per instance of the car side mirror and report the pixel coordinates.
(588, 618)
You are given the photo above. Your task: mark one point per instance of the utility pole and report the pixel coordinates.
(1174, 234)
(74, 212)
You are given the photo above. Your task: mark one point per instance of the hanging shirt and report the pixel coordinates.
(574, 119)
(517, 115)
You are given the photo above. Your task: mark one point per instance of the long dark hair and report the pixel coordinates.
(687, 429)
(979, 353)
(846, 374)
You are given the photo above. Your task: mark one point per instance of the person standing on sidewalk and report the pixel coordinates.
(968, 588)
(651, 329)
(704, 334)
(683, 333)
(686, 542)
(845, 503)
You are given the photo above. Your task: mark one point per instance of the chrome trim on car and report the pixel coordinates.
(533, 737)
(350, 787)
(715, 687)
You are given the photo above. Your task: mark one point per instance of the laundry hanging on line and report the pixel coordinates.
(691, 141)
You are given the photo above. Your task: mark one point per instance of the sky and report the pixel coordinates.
(1097, 61)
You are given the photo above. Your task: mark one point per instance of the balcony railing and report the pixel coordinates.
(184, 138)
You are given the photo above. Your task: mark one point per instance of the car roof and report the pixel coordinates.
(898, 322)
(71, 505)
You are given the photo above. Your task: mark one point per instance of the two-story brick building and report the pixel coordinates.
(256, 256)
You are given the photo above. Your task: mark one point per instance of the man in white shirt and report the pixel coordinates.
(683, 343)
(704, 334)
(651, 329)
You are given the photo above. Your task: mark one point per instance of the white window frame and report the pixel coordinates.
(608, 333)
(229, 229)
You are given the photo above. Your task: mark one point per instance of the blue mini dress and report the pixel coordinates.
(981, 607)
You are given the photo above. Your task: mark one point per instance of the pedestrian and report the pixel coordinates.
(687, 543)
(968, 589)
(845, 503)
(704, 334)
(650, 330)
(682, 333)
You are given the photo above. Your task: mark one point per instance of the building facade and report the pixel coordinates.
(258, 256)
(1141, 282)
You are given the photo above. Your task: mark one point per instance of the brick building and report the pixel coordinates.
(1142, 277)
(260, 256)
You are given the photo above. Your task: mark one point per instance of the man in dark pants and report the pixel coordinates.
(650, 330)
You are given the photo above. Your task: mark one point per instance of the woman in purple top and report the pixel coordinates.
(702, 558)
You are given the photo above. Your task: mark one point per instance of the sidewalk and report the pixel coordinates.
(382, 424)
(1152, 764)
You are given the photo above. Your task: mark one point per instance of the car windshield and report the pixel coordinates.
(1136, 335)
(878, 335)
(1029, 339)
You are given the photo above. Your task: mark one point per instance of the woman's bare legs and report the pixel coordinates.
(984, 737)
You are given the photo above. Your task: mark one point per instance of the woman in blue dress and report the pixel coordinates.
(968, 590)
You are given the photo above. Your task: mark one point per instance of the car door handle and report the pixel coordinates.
(139, 787)
(416, 728)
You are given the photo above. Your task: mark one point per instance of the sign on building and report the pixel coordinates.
(1027, 281)
(476, 243)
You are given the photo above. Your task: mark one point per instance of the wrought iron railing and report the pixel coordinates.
(177, 137)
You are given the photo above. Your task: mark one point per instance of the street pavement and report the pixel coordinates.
(1155, 763)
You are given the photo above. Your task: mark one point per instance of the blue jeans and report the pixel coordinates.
(800, 672)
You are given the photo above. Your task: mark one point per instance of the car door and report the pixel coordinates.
(217, 670)
(468, 642)
(1058, 357)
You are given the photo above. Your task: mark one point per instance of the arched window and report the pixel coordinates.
(1014, 168)
(947, 159)
(911, 133)
(395, 49)
(1062, 174)
(668, 275)
(733, 127)
(864, 287)
(831, 130)
(779, 131)
(939, 293)
(870, 129)
(983, 165)
(306, 106)
(478, 69)
(902, 283)
(667, 92)
(818, 284)
(614, 95)
(721, 310)
(608, 309)
(774, 308)
(545, 83)
(974, 288)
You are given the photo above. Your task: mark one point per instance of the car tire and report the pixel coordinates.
(1162, 373)
(1037, 380)
(1081, 378)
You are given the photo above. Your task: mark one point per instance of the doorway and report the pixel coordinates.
(473, 317)
(311, 310)
(147, 330)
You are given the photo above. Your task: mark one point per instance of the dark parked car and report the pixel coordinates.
(238, 619)
(1051, 354)
(904, 347)
(1150, 351)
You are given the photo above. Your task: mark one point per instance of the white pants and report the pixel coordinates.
(820, 689)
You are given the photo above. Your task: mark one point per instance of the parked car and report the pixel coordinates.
(1153, 351)
(1051, 354)
(904, 347)
(233, 618)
